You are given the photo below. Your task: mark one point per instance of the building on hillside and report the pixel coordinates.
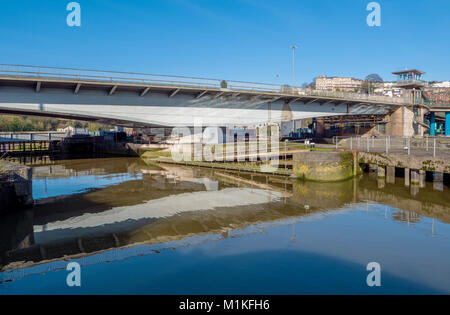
(347, 84)
(387, 89)
(437, 95)
(443, 84)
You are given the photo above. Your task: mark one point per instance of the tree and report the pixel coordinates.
(374, 78)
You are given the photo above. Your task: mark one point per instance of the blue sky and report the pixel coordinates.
(246, 40)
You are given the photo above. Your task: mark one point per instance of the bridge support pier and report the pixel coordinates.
(433, 124)
(401, 123)
(447, 124)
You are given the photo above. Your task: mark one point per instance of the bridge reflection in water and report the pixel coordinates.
(131, 209)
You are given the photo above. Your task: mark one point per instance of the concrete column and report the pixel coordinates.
(415, 178)
(381, 171)
(422, 178)
(381, 181)
(438, 181)
(414, 190)
(407, 176)
(401, 122)
(390, 174)
(432, 124)
(447, 124)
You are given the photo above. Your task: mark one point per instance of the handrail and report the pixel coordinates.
(387, 144)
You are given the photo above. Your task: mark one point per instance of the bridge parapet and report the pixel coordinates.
(38, 73)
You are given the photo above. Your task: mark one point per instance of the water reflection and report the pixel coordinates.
(127, 205)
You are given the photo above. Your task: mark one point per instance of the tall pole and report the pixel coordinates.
(293, 65)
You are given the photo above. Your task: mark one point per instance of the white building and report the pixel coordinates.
(71, 131)
(444, 84)
(338, 83)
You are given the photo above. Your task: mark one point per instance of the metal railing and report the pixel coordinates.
(355, 96)
(37, 72)
(31, 136)
(130, 77)
(392, 144)
(411, 81)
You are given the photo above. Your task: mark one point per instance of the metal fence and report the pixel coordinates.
(31, 136)
(392, 144)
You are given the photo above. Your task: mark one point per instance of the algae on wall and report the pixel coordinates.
(325, 166)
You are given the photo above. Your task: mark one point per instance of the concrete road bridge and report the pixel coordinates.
(147, 100)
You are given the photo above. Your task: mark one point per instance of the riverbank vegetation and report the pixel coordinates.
(17, 123)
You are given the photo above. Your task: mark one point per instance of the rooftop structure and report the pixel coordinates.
(410, 79)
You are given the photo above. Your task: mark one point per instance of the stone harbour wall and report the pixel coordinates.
(325, 166)
(16, 190)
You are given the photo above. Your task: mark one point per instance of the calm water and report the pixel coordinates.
(138, 228)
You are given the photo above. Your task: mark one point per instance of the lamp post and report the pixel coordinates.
(293, 65)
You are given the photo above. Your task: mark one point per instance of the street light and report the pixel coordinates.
(293, 65)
